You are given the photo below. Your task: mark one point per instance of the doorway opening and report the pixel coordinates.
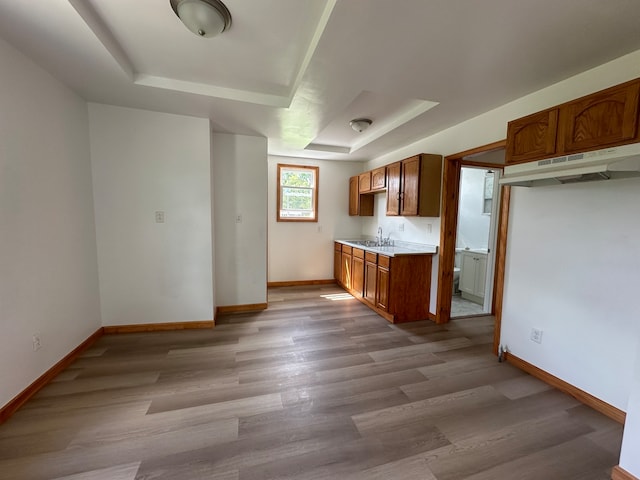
(473, 267)
(491, 157)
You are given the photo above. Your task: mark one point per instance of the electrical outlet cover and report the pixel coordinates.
(536, 335)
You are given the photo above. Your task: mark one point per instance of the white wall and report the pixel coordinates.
(239, 178)
(629, 459)
(473, 225)
(415, 229)
(213, 221)
(607, 336)
(48, 265)
(304, 251)
(145, 162)
(573, 270)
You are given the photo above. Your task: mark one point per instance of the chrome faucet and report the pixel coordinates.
(380, 238)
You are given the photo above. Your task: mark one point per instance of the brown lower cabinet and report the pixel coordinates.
(345, 267)
(398, 288)
(337, 262)
(382, 288)
(370, 277)
(357, 269)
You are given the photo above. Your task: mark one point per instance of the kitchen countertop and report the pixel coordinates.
(398, 248)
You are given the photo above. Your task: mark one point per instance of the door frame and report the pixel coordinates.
(448, 229)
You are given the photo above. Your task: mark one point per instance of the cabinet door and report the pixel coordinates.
(359, 204)
(378, 178)
(345, 269)
(532, 137)
(468, 273)
(337, 262)
(364, 182)
(409, 186)
(353, 196)
(481, 275)
(370, 281)
(357, 275)
(393, 188)
(382, 295)
(601, 119)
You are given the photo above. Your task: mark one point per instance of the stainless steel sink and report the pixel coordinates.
(367, 243)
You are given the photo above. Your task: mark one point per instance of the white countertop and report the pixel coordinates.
(398, 248)
(480, 251)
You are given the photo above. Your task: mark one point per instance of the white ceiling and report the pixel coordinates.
(296, 71)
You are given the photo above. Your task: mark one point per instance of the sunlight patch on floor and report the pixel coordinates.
(338, 296)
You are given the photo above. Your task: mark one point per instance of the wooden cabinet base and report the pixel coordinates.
(408, 289)
(387, 316)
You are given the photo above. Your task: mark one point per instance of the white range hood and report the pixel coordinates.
(606, 164)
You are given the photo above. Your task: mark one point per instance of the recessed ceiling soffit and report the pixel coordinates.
(100, 28)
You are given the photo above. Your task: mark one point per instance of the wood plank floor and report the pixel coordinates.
(315, 387)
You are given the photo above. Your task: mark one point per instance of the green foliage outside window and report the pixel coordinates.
(297, 193)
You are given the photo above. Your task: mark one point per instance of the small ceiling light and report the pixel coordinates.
(205, 18)
(360, 124)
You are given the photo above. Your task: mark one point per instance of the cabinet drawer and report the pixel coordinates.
(346, 249)
(384, 261)
(371, 257)
(337, 246)
(358, 253)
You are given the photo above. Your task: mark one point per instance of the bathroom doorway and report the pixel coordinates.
(489, 156)
(475, 242)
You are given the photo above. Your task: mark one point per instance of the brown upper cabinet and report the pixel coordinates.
(413, 186)
(379, 178)
(353, 196)
(605, 118)
(393, 188)
(602, 119)
(359, 204)
(372, 181)
(533, 136)
(364, 182)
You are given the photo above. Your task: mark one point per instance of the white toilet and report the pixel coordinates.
(456, 272)
(456, 280)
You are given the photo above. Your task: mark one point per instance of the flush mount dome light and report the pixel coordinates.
(360, 124)
(205, 18)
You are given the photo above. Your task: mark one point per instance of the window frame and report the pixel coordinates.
(314, 196)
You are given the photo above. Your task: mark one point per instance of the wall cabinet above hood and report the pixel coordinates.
(603, 119)
(596, 137)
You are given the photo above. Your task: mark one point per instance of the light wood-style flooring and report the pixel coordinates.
(315, 387)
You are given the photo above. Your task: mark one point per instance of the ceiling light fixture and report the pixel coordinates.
(205, 18)
(360, 124)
